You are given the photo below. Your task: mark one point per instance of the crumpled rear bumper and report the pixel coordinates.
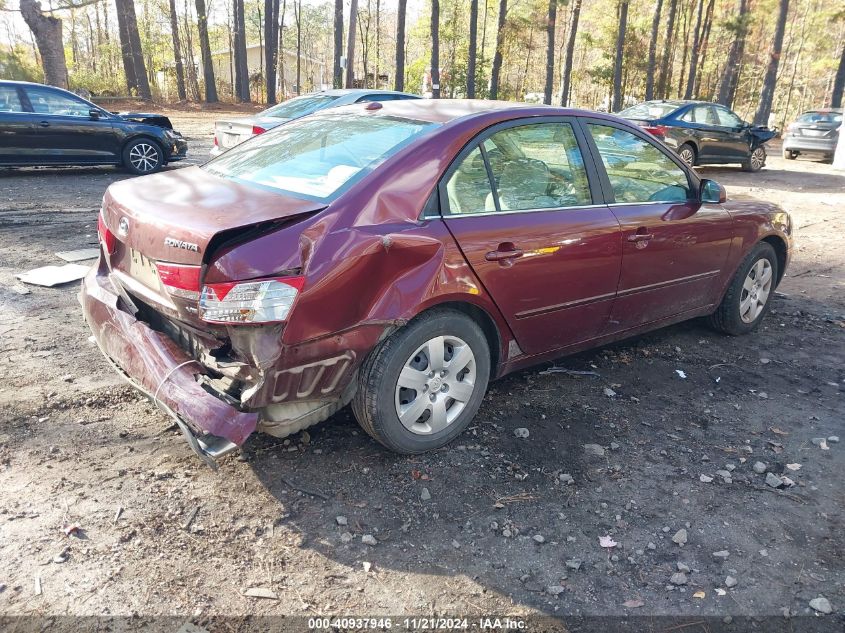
(155, 365)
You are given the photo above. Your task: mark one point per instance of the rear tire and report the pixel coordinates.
(788, 154)
(756, 161)
(749, 294)
(403, 374)
(142, 156)
(687, 153)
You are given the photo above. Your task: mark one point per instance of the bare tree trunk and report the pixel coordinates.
(177, 53)
(350, 44)
(126, 52)
(283, 80)
(297, 15)
(399, 83)
(205, 52)
(618, 97)
(570, 51)
(271, 47)
(768, 92)
(693, 61)
(663, 81)
(550, 52)
(473, 46)
(497, 57)
(337, 72)
(652, 52)
(435, 49)
(47, 31)
(704, 45)
(127, 7)
(241, 65)
(730, 78)
(838, 83)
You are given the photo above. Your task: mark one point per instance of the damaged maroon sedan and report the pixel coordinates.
(398, 256)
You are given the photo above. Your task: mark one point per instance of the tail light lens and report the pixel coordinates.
(215, 141)
(256, 301)
(257, 129)
(656, 130)
(107, 238)
(180, 280)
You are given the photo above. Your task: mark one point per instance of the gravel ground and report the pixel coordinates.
(330, 523)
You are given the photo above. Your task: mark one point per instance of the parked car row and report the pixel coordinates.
(44, 125)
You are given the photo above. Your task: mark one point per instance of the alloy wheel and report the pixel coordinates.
(688, 156)
(755, 290)
(758, 158)
(144, 157)
(435, 385)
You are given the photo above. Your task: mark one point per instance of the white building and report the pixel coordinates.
(312, 71)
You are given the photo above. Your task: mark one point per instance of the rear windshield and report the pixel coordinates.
(317, 157)
(300, 106)
(649, 110)
(820, 117)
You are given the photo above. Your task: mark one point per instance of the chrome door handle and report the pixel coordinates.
(496, 256)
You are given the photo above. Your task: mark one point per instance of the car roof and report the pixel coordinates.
(824, 111)
(447, 110)
(357, 92)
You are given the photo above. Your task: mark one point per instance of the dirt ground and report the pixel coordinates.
(502, 533)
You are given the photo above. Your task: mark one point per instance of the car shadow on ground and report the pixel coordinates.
(496, 511)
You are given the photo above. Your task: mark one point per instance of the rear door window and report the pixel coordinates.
(10, 101)
(637, 169)
(533, 167)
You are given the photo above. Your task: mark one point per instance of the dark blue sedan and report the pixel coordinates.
(45, 126)
(703, 133)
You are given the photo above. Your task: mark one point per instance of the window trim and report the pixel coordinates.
(593, 178)
(609, 197)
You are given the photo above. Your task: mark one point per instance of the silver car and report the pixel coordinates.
(230, 132)
(815, 132)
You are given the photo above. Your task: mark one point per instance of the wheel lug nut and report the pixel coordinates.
(444, 388)
(443, 373)
(432, 397)
(431, 374)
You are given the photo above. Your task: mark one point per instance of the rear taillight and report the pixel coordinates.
(180, 280)
(656, 130)
(107, 238)
(257, 129)
(256, 301)
(215, 141)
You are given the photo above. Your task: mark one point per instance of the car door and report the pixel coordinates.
(520, 202)
(65, 132)
(737, 142)
(711, 140)
(674, 247)
(16, 126)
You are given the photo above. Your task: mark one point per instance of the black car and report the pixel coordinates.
(703, 133)
(44, 125)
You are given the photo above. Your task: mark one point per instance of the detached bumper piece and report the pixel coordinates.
(156, 366)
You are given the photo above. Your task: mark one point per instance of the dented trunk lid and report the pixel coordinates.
(174, 216)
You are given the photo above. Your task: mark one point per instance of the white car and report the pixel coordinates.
(230, 132)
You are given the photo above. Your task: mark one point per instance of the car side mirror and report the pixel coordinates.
(712, 192)
(94, 114)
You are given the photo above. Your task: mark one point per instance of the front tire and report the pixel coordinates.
(421, 387)
(750, 293)
(756, 161)
(142, 156)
